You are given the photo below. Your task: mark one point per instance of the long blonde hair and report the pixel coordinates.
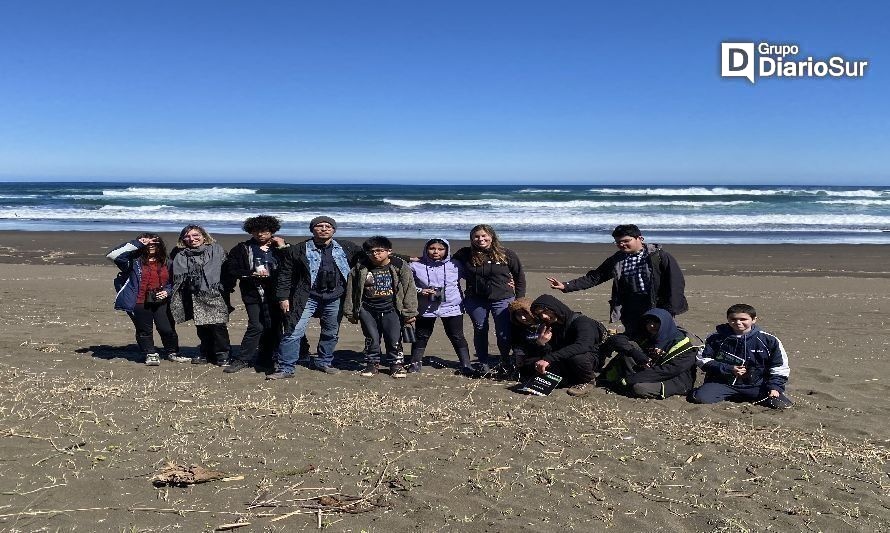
(207, 238)
(496, 252)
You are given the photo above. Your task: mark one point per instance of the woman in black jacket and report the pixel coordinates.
(494, 277)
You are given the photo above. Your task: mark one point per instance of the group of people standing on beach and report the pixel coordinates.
(397, 299)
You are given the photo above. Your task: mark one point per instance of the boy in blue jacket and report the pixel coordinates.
(743, 363)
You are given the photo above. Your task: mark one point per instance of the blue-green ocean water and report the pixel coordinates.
(679, 214)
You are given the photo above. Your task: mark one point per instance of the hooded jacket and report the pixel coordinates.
(666, 289)
(762, 353)
(127, 283)
(574, 334)
(403, 287)
(443, 273)
(676, 364)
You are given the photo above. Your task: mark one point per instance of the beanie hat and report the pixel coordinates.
(321, 219)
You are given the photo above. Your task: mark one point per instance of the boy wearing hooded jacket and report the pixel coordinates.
(567, 343)
(437, 278)
(743, 363)
(658, 363)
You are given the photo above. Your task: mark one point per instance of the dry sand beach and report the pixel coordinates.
(84, 426)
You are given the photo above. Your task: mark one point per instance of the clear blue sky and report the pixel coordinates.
(437, 92)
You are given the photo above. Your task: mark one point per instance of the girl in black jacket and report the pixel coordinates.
(494, 277)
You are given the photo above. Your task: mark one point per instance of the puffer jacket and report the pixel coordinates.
(127, 283)
(445, 273)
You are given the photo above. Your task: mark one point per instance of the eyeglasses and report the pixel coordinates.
(378, 251)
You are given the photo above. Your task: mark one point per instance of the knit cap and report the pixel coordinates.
(318, 220)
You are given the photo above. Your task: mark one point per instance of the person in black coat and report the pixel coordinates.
(644, 276)
(253, 266)
(656, 364)
(567, 343)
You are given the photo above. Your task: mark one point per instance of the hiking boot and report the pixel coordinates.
(371, 370)
(415, 368)
(397, 371)
(152, 359)
(199, 360)
(581, 389)
(176, 358)
(236, 366)
(280, 375)
(328, 369)
(465, 371)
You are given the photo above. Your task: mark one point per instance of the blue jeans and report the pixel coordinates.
(327, 340)
(478, 309)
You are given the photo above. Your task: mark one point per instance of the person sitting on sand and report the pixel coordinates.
(567, 344)
(657, 364)
(743, 363)
(381, 295)
(143, 290)
(199, 294)
(644, 276)
(437, 277)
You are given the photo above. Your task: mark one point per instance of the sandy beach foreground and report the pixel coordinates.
(84, 425)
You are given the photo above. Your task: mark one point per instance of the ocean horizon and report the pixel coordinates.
(562, 213)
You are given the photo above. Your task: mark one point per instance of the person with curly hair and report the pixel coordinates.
(253, 266)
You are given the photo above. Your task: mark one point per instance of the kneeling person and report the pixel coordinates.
(567, 343)
(381, 295)
(657, 363)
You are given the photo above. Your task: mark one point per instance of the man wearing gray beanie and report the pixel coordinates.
(312, 282)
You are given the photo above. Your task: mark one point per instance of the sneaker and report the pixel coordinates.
(223, 361)
(236, 366)
(371, 370)
(176, 358)
(397, 371)
(152, 359)
(199, 360)
(581, 389)
(280, 375)
(328, 369)
(415, 368)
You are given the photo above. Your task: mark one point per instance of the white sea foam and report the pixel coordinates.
(731, 191)
(555, 204)
(541, 191)
(518, 219)
(212, 193)
(854, 202)
(125, 210)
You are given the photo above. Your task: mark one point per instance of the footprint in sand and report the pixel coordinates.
(815, 374)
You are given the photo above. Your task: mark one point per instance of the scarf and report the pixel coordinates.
(199, 269)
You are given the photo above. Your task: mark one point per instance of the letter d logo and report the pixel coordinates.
(737, 60)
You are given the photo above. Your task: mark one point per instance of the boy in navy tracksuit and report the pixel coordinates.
(743, 363)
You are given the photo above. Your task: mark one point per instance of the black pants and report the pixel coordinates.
(147, 316)
(389, 326)
(633, 307)
(260, 342)
(578, 368)
(214, 341)
(454, 330)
